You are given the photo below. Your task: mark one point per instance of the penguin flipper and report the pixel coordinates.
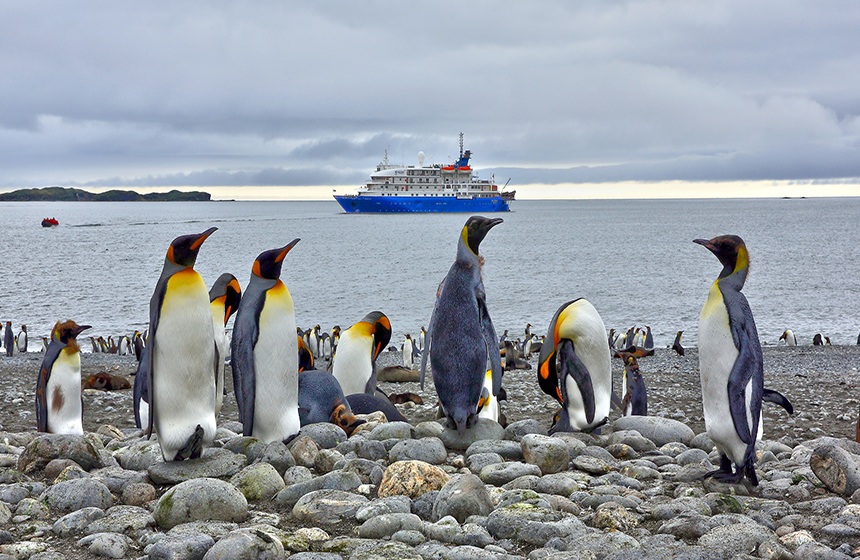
(571, 365)
(774, 397)
(245, 334)
(490, 339)
(370, 388)
(140, 391)
(42, 387)
(739, 378)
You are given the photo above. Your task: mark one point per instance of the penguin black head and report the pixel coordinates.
(227, 287)
(268, 264)
(66, 331)
(183, 250)
(731, 251)
(381, 330)
(476, 229)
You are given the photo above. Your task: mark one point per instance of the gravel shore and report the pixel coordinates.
(633, 492)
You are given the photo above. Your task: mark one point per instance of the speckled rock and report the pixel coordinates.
(532, 524)
(73, 495)
(838, 469)
(325, 434)
(382, 506)
(84, 450)
(328, 507)
(110, 545)
(387, 524)
(656, 428)
(220, 463)
(429, 450)
(549, 454)
(259, 481)
(201, 499)
(462, 497)
(411, 478)
(484, 429)
(189, 547)
(129, 520)
(250, 544)
(502, 473)
(76, 521)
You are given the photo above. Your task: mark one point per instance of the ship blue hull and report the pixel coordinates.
(409, 204)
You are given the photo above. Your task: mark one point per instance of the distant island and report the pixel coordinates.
(114, 195)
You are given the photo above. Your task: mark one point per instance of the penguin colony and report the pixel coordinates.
(179, 386)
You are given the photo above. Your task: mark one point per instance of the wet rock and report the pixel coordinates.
(73, 495)
(201, 499)
(462, 497)
(429, 450)
(656, 428)
(259, 481)
(836, 468)
(220, 463)
(328, 507)
(411, 478)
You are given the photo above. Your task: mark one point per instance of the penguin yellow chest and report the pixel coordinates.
(64, 394)
(184, 363)
(717, 355)
(276, 365)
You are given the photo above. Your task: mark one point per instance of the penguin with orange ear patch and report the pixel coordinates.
(354, 363)
(224, 298)
(321, 400)
(59, 409)
(181, 355)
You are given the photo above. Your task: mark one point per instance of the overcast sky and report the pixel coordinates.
(287, 93)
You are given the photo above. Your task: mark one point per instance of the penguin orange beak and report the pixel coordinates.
(202, 237)
(286, 250)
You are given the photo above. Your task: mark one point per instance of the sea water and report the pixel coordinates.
(634, 260)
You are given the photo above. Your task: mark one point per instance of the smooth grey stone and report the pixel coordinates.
(702, 441)
(447, 530)
(422, 506)
(691, 456)
(297, 475)
(392, 430)
(822, 506)
(304, 450)
(516, 430)
(462, 497)
(291, 494)
(739, 536)
(251, 447)
(258, 482)
(277, 455)
(219, 464)
(607, 545)
(549, 454)
(817, 551)
(328, 507)
(633, 439)
(509, 450)
(112, 545)
(76, 521)
(251, 545)
(368, 471)
(201, 499)
(385, 525)
(316, 556)
(837, 468)
(325, 434)
(428, 429)
(122, 519)
(140, 455)
(327, 459)
(215, 529)
(525, 482)
(429, 450)
(502, 473)
(533, 525)
(478, 461)
(523, 496)
(14, 493)
(656, 428)
(412, 538)
(189, 547)
(364, 448)
(560, 484)
(484, 429)
(591, 465)
(381, 506)
(687, 526)
(341, 480)
(73, 495)
(680, 506)
(116, 478)
(84, 450)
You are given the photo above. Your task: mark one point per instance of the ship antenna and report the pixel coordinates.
(461, 144)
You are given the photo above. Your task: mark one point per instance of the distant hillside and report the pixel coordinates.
(63, 193)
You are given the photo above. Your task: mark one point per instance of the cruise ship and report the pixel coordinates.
(427, 188)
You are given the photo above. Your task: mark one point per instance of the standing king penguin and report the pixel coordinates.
(461, 340)
(9, 339)
(22, 341)
(354, 362)
(266, 353)
(730, 364)
(59, 408)
(224, 298)
(181, 355)
(574, 367)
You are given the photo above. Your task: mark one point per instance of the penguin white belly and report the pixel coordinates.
(492, 408)
(21, 343)
(582, 324)
(352, 366)
(143, 412)
(221, 346)
(407, 355)
(717, 355)
(276, 363)
(183, 364)
(65, 411)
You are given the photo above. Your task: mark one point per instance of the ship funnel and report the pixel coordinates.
(420, 158)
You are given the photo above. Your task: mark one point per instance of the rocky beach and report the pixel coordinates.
(415, 490)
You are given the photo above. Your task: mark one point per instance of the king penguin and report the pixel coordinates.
(461, 340)
(224, 298)
(354, 363)
(574, 367)
(408, 353)
(59, 408)
(788, 337)
(676, 346)
(321, 400)
(9, 339)
(22, 341)
(730, 364)
(265, 353)
(182, 356)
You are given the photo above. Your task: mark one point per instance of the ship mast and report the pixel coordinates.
(461, 144)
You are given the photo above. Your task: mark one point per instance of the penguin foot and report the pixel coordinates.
(729, 477)
(290, 438)
(193, 447)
